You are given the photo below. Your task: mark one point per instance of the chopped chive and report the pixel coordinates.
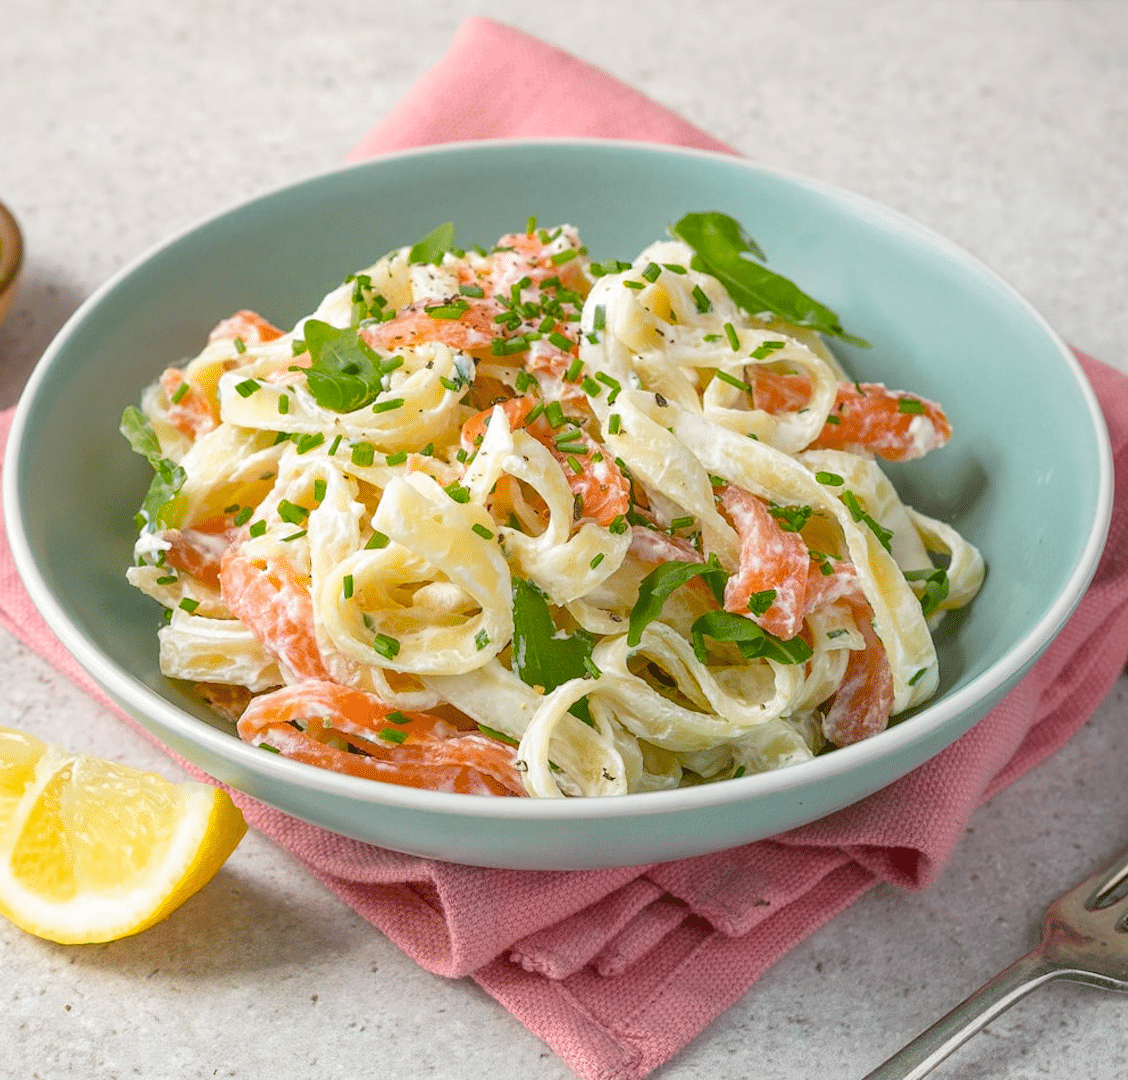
(268, 747)
(294, 536)
(319, 488)
(634, 285)
(387, 406)
(675, 268)
(652, 272)
(453, 310)
(524, 381)
(591, 668)
(387, 647)
(247, 387)
(554, 413)
(347, 583)
(457, 492)
(702, 301)
(908, 405)
(240, 345)
(829, 478)
(472, 290)
(618, 525)
(310, 441)
(564, 344)
(561, 257)
(597, 560)
(284, 404)
(168, 579)
(834, 420)
(732, 380)
(614, 424)
(572, 448)
(591, 387)
(481, 639)
(599, 317)
(682, 522)
(336, 443)
(917, 677)
(377, 541)
(244, 515)
(363, 454)
(257, 528)
(733, 338)
(482, 531)
(180, 393)
(397, 717)
(292, 512)
(393, 735)
(534, 413)
(188, 604)
(738, 772)
(765, 349)
(531, 225)
(398, 458)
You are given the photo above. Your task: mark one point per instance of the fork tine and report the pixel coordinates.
(1107, 885)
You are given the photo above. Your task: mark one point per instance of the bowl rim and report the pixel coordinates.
(137, 697)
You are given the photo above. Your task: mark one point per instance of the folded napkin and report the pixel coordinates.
(618, 969)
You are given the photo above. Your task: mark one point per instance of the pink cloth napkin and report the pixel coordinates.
(618, 969)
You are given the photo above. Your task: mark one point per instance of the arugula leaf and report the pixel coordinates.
(721, 247)
(935, 587)
(346, 372)
(753, 641)
(434, 245)
(542, 655)
(655, 589)
(168, 477)
(760, 602)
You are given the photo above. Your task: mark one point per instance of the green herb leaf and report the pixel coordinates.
(168, 477)
(346, 372)
(655, 589)
(542, 655)
(935, 587)
(753, 641)
(721, 247)
(434, 245)
(791, 518)
(759, 602)
(858, 513)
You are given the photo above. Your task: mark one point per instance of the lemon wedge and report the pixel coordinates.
(92, 851)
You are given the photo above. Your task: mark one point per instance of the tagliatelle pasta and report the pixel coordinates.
(515, 522)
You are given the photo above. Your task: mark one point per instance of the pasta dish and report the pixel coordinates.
(511, 521)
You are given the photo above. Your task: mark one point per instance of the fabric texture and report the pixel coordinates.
(618, 969)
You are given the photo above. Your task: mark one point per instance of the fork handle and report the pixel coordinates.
(930, 1047)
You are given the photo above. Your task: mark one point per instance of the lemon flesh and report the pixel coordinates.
(92, 851)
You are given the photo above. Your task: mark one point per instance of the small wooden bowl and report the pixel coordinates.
(11, 259)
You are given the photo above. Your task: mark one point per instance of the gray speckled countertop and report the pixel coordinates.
(1001, 124)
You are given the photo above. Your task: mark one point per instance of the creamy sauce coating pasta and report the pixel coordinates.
(512, 522)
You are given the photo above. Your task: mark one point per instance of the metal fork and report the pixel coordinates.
(1084, 938)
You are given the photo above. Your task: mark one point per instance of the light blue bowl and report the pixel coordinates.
(1026, 477)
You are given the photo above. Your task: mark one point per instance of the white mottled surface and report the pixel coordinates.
(1001, 124)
